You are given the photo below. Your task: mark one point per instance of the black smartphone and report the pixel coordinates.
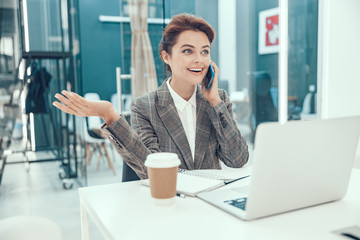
(209, 77)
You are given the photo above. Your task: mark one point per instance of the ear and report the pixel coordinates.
(165, 56)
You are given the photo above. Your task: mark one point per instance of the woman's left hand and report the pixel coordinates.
(212, 95)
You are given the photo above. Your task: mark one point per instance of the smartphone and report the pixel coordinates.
(209, 77)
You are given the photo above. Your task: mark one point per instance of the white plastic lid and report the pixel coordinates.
(162, 160)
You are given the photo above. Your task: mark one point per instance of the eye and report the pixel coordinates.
(187, 51)
(205, 52)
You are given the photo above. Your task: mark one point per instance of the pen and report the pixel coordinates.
(181, 195)
(236, 179)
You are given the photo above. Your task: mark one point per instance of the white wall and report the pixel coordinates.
(339, 59)
(339, 42)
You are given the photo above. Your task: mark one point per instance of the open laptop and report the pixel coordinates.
(295, 165)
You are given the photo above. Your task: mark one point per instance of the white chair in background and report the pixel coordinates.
(29, 228)
(309, 105)
(126, 102)
(95, 143)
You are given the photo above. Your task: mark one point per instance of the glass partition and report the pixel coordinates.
(255, 94)
(302, 59)
(47, 31)
(51, 59)
(10, 43)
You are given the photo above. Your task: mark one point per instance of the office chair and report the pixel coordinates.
(262, 102)
(309, 104)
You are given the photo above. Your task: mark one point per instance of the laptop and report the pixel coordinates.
(295, 165)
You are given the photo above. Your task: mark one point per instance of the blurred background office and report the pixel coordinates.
(86, 46)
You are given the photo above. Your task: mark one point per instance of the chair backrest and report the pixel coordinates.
(263, 106)
(89, 135)
(309, 104)
(126, 102)
(114, 101)
(92, 96)
(93, 122)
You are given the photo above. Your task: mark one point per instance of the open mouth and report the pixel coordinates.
(195, 70)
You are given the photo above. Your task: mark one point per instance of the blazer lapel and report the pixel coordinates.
(203, 124)
(169, 116)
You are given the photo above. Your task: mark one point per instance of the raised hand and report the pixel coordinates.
(73, 103)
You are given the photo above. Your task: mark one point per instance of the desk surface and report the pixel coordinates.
(126, 211)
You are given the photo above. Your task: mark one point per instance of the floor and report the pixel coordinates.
(37, 190)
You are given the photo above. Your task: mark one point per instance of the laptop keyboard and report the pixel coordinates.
(238, 202)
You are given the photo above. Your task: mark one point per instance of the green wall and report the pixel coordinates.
(99, 46)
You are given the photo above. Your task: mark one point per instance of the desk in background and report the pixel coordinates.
(126, 211)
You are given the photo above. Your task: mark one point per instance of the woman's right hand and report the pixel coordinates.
(73, 103)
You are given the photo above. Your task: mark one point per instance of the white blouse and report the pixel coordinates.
(187, 114)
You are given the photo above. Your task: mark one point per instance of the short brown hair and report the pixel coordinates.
(180, 23)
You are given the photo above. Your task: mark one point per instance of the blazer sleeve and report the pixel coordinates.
(134, 143)
(232, 148)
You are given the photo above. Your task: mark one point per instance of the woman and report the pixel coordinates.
(180, 116)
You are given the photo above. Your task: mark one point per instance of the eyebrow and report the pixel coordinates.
(191, 46)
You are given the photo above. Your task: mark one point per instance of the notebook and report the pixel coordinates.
(226, 174)
(295, 165)
(193, 182)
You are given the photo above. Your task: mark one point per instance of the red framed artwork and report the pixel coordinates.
(269, 31)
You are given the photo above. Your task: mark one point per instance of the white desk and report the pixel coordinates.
(125, 211)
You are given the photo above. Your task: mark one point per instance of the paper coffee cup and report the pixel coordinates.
(162, 170)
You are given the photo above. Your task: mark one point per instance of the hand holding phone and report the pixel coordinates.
(209, 77)
(211, 93)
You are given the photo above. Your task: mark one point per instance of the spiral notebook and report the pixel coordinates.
(193, 182)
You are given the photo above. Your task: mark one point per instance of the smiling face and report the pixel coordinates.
(189, 58)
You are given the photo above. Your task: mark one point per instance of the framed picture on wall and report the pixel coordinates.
(269, 31)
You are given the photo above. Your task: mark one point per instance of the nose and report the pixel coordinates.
(197, 58)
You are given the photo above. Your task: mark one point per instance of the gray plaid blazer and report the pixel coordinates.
(156, 127)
